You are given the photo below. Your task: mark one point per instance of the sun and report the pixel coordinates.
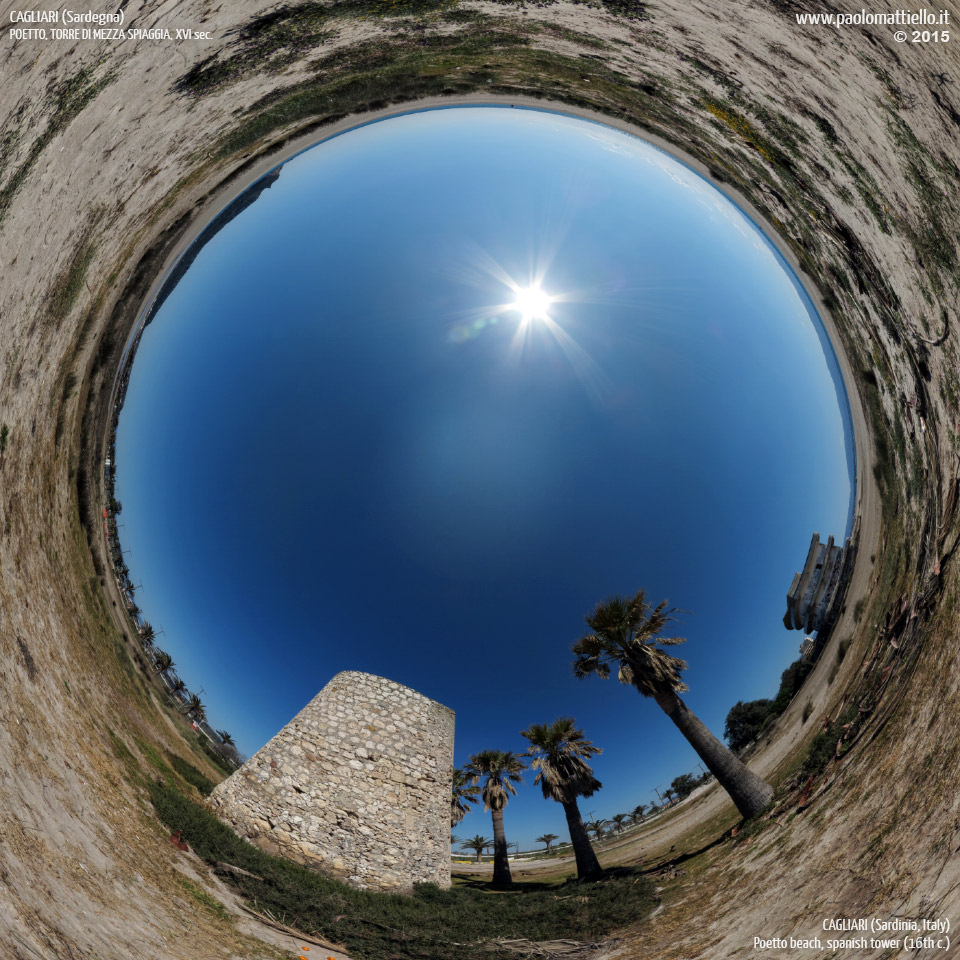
(532, 303)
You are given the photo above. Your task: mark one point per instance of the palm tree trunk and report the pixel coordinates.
(501, 866)
(588, 865)
(749, 792)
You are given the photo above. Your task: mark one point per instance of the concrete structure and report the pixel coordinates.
(813, 592)
(357, 785)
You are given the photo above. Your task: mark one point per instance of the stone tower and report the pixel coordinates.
(357, 785)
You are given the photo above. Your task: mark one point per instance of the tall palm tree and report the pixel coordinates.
(195, 707)
(618, 819)
(147, 635)
(499, 770)
(559, 755)
(463, 793)
(477, 844)
(164, 661)
(548, 839)
(626, 632)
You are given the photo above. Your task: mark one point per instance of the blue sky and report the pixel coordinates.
(336, 452)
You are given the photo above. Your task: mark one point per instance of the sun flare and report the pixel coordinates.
(532, 303)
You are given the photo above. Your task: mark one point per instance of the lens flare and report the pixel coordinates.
(532, 303)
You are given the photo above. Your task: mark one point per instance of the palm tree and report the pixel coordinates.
(618, 819)
(177, 686)
(147, 635)
(500, 770)
(463, 793)
(596, 826)
(560, 753)
(477, 844)
(548, 839)
(637, 813)
(626, 632)
(164, 661)
(195, 708)
(225, 738)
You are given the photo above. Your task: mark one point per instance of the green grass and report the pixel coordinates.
(191, 774)
(431, 924)
(155, 760)
(209, 903)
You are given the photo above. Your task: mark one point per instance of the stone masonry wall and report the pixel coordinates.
(356, 785)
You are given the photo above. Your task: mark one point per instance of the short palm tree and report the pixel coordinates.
(548, 839)
(463, 793)
(477, 844)
(636, 813)
(225, 738)
(499, 770)
(618, 819)
(177, 686)
(559, 753)
(596, 826)
(626, 633)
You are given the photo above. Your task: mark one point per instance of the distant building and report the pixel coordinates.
(806, 648)
(814, 590)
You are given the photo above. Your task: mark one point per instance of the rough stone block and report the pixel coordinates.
(381, 824)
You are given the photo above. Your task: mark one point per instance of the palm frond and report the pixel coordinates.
(626, 634)
(499, 769)
(559, 754)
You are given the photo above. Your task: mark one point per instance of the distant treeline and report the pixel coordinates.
(746, 721)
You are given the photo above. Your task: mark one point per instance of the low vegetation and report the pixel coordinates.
(191, 774)
(457, 924)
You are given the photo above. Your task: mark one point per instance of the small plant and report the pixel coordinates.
(205, 900)
(4, 437)
(191, 774)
